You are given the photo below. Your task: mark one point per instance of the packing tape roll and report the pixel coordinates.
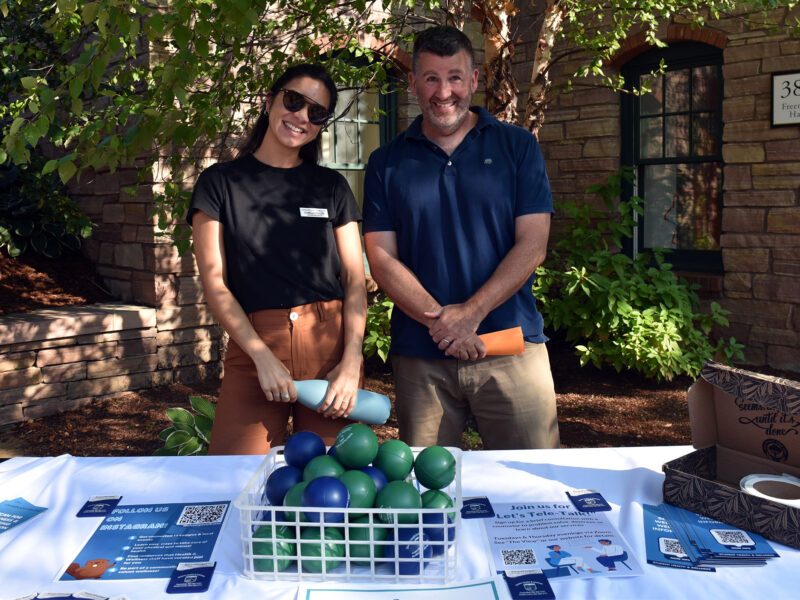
(778, 488)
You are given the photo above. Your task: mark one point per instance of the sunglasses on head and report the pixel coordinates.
(295, 101)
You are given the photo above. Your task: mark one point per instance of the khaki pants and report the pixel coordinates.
(310, 345)
(512, 398)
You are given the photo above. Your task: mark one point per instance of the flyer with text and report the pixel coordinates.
(559, 540)
(149, 540)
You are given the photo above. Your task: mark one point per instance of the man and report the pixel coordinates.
(456, 219)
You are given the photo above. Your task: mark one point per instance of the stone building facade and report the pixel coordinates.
(757, 276)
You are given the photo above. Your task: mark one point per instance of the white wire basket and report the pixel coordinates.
(413, 559)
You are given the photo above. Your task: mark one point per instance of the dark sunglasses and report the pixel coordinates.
(295, 101)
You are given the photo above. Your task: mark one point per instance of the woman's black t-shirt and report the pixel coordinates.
(278, 225)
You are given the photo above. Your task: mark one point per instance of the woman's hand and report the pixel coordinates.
(342, 389)
(274, 377)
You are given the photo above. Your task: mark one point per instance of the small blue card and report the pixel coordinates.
(523, 585)
(99, 506)
(477, 508)
(16, 511)
(588, 500)
(191, 578)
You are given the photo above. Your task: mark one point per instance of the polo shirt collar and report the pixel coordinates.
(485, 119)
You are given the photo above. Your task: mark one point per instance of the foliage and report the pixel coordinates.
(628, 313)
(37, 213)
(378, 336)
(190, 432)
(110, 81)
(590, 34)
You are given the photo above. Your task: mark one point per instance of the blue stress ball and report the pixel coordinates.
(412, 548)
(377, 476)
(280, 481)
(302, 447)
(325, 492)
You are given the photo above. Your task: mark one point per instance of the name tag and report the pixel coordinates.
(319, 213)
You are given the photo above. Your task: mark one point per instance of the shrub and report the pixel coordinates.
(378, 337)
(190, 432)
(36, 212)
(627, 313)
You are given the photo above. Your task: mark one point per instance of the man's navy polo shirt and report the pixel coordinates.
(454, 217)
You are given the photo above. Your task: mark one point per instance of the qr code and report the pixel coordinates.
(732, 537)
(525, 556)
(202, 514)
(671, 546)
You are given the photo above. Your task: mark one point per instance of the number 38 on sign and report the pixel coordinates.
(786, 98)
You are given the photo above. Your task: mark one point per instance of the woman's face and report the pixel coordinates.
(293, 130)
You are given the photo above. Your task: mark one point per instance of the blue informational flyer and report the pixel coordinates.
(711, 542)
(148, 541)
(16, 511)
(662, 545)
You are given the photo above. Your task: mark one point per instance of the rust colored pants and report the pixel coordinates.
(309, 340)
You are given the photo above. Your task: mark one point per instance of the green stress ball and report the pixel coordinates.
(322, 466)
(437, 499)
(435, 467)
(280, 547)
(356, 446)
(361, 488)
(399, 494)
(312, 547)
(294, 497)
(360, 531)
(394, 459)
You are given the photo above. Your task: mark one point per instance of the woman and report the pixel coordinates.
(279, 253)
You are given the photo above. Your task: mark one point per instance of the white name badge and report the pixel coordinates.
(319, 213)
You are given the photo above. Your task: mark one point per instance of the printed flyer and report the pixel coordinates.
(16, 511)
(559, 540)
(148, 541)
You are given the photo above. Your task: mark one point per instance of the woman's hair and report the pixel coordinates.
(312, 150)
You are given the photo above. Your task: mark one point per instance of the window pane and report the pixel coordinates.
(677, 90)
(705, 134)
(705, 88)
(660, 226)
(346, 142)
(682, 208)
(677, 136)
(343, 101)
(652, 102)
(650, 137)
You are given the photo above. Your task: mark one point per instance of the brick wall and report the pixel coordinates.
(761, 199)
(55, 360)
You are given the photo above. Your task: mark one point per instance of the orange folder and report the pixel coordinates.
(504, 343)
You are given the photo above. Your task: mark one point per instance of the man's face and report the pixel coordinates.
(444, 86)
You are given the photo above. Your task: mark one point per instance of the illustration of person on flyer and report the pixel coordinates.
(609, 553)
(562, 558)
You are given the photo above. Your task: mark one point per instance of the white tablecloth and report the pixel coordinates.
(33, 553)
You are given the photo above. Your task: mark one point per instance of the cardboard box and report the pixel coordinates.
(742, 423)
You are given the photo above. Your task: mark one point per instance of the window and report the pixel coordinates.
(347, 142)
(672, 136)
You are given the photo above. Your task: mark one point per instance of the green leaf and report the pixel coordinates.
(203, 406)
(190, 447)
(28, 82)
(89, 12)
(49, 166)
(180, 415)
(66, 171)
(15, 125)
(164, 433)
(165, 452)
(3, 157)
(177, 438)
(182, 34)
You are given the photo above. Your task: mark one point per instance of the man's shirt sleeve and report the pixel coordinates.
(377, 214)
(533, 187)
